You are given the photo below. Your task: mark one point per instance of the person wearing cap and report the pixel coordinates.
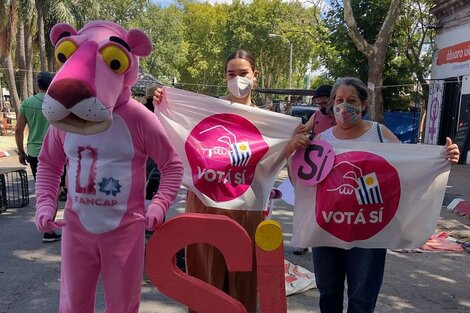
(30, 114)
(320, 121)
(324, 117)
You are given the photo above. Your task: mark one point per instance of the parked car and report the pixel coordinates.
(303, 111)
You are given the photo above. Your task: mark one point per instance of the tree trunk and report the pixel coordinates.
(52, 64)
(375, 80)
(20, 48)
(14, 99)
(42, 40)
(29, 61)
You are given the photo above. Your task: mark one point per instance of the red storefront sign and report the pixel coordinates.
(454, 54)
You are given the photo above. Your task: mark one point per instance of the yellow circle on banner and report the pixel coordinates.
(268, 235)
(369, 181)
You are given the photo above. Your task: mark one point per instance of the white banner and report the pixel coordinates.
(232, 153)
(376, 196)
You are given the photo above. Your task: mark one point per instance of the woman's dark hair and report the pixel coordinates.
(242, 54)
(360, 87)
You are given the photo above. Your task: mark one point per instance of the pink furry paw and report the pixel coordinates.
(154, 217)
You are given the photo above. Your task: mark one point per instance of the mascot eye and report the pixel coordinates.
(116, 59)
(64, 50)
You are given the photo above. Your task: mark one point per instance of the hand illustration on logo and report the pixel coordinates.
(349, 179)
(344, 178)
(238, 152)
(223, 151)
(224, 138)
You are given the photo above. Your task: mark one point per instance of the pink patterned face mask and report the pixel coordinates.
(346, 113)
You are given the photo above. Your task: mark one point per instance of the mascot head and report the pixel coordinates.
(99, 64)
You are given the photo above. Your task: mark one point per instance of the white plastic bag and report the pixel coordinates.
(297, 278)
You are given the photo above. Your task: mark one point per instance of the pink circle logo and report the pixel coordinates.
(312, 165)
(223, 151)
(359, 197)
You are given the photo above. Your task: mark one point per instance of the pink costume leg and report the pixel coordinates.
(80, 268)
(122, 255)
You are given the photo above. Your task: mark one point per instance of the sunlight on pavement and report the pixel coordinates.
(40, 256)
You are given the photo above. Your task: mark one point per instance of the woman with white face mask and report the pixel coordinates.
(204, 261)
(362, 269)
(240, 73)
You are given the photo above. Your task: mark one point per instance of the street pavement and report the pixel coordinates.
(428, 282)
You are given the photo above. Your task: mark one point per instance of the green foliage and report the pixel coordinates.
(123, 12)
(408, 58)
(321, 80)
(414, 43)
(191, 40)
(203, 33)
(343, 58)
(78, 15)
(249, 27)
(165, 29)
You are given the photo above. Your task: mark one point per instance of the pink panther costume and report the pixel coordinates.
(104, 137)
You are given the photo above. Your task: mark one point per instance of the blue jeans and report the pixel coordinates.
(363, 269)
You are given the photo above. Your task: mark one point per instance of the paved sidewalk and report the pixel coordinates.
(7, 146)
(431, 282)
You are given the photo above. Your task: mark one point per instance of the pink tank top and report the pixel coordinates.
(321, 123)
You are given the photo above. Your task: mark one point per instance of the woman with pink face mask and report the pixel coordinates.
(363, 269)
(204, 261)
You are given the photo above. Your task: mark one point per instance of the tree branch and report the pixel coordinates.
(353, 31)
(386, 31)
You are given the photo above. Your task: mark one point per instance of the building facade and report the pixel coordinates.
(448, 113)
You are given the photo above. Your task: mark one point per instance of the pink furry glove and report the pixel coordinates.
(44, 219)
(154, 217)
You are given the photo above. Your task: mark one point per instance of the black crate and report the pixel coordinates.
(14, 189)
(3, 194)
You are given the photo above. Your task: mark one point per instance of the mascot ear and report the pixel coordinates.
(139, 42)
(61, 30)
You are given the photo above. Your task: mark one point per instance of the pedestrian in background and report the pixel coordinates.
(324, 118)
(152, 172)
(30, 115)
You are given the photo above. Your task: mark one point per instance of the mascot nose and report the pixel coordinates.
(69, 91)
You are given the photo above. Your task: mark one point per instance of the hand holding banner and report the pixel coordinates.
(231, 152)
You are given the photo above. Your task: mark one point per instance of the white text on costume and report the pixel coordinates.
(96, 202)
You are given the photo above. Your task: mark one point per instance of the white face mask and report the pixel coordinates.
(240, 87)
